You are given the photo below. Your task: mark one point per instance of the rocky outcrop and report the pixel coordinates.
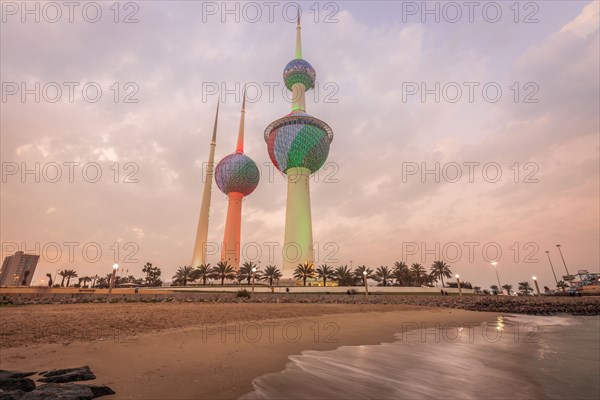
(15, 385)
(67, 375)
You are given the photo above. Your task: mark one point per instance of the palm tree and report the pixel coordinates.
(102, 282)
(95, 278)
(418, 271)
(49, 279)
(203, 271)
(303, 271)
(183, 275)
(343, 276)
(525, 288)
(63, 274)
(271, 274)
(495, 288)
(223, 271)
(70, 274)
(359, 273)
(245, 272)
(401, 273)
(477, 289)
(383, 275)
(85, 280)
(430, 279)
(441, 270)
(562, 285)
(325, 272)
(508, 288)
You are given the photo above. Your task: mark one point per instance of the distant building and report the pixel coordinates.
(18, 269)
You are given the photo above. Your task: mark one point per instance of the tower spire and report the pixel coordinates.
(214, 135)
(240, 142)
(298, 38)
(199, 255)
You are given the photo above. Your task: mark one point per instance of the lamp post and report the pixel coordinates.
(495, 263)
(537, 288)
(458, 283)
(563, 260)
(351, 265)
(365, 279)
(253, 275)
(112, 278)
(56, 273)
(552, 267)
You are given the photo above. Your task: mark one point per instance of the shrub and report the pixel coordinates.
(243, 293)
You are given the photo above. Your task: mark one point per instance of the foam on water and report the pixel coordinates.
(516, 358)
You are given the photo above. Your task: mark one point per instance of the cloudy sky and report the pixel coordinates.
(503, 101)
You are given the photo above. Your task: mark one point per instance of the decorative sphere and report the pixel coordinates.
(237, 173)
(298, 140)
(299, 71)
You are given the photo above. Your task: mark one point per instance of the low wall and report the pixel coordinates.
(321, 289)
(41, 291)
(38, 290)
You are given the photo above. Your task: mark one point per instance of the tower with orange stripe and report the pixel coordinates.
(237, 176)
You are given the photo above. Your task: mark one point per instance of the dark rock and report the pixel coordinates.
(99, 391)
(54, 372)
(64, 391)
(12, 395)
(24, 384)
(68, 375)
(4, 373)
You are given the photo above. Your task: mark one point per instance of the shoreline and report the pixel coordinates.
(216, 361)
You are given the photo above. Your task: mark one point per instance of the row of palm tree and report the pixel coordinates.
(152, 279)
(401, 274)
(223, 271)
(67, 274)
(524, 288)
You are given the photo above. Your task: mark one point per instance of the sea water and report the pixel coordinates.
(517, 357)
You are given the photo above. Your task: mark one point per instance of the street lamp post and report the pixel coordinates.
(365, 279)
(351, 265)
(253, 275)
(494, 263)
(537, 288)
(112, 278)
(563, 260)
(458, 283)
(552, 267)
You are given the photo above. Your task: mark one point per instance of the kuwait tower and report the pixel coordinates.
(298, 146)
(199, 256)
(237, 176)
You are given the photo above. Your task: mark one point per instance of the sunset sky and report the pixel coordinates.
(369, 204)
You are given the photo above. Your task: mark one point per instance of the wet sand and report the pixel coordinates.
(191, 351)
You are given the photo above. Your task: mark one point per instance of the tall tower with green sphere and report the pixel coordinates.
(298, 145)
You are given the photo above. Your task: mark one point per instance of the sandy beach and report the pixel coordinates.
(188, 351)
